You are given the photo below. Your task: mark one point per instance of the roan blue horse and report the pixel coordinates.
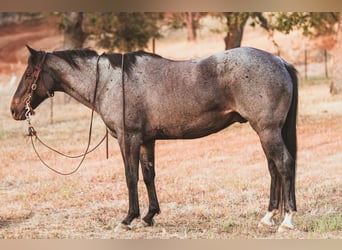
(143, 97)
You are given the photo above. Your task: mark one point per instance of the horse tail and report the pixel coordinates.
(289, 130)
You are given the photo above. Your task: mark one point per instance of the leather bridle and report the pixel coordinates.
(33, 86)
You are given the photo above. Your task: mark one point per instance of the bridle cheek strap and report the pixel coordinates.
(33, 87)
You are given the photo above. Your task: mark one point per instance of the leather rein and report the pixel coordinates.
(33, 133)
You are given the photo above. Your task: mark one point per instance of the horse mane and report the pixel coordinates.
(70, 55)
(115, 59)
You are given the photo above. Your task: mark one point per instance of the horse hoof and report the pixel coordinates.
(267, 220)
(287, 224)
(122, 227)
(143, 223)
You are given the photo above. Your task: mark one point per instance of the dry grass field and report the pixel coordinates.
(216, 187)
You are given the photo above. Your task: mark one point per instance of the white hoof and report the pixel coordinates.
(287, 224)
(267, 220)
(121, 227)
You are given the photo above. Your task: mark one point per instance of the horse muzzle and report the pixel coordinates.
(18, 110)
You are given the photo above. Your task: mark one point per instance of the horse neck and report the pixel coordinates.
(78, 83)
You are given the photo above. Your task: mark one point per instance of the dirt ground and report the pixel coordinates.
(216, 187)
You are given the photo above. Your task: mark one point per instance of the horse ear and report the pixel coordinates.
(32, 51)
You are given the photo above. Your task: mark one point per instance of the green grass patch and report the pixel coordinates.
(66, 192)
(322, 224)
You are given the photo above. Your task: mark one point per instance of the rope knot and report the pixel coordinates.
(31, 131)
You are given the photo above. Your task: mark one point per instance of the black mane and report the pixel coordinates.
(70, 55)
(115, 59)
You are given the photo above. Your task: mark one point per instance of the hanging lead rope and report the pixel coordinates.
(123, 105)
(32, 132)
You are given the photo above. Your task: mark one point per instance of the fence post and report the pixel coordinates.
(326, 63)
(153, 45)
(306, 63)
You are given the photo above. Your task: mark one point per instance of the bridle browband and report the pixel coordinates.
(32, 132)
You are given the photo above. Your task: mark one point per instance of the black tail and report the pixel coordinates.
(289, 131)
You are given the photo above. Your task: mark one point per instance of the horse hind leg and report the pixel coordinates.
(276, 151)
(275, 194)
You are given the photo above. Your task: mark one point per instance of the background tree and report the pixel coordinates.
(312, 24)
(188, 20)
(236, 22)
(124, 31)
(192, 24)
(72, 26)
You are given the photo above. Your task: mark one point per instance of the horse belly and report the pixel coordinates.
(198, 126)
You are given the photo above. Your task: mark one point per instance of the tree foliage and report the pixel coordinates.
(311, 23)
(123, 31)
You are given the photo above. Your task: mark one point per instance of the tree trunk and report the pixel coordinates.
(236, 22)
(336, 83)
(74, 35)
(191, 20)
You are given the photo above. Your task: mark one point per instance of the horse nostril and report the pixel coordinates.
(14, 105)
(15, 101)
(14, 111)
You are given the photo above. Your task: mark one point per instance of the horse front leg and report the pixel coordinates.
(147, 166)
(130, 148)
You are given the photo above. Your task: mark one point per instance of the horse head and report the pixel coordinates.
(36, 85)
